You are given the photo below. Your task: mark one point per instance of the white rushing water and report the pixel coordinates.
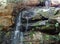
(48, 8)
(28, 14)
(47, 3)
(18, 35)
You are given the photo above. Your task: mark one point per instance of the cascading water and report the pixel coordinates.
(18, 35)
(27, 18)
(28, 14)
(27, 23)
(47, 3)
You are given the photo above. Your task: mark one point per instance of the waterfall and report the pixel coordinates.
(27, 23)
(21, 38)
(47, 3)
(28, 14)
(18, 35)
(50, 9)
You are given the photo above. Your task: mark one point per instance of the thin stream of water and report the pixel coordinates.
(47, 3)
(21, 38)
(27, 23)
(18, 36)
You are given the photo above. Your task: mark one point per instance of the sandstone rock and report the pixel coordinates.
(6, 18)
(31, 2)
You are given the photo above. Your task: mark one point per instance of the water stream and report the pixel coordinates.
(48, 6)
(18, 35)
(47, 3)
(28, 14)
(27, 23)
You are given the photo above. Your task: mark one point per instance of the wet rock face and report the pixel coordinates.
(28, 13)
